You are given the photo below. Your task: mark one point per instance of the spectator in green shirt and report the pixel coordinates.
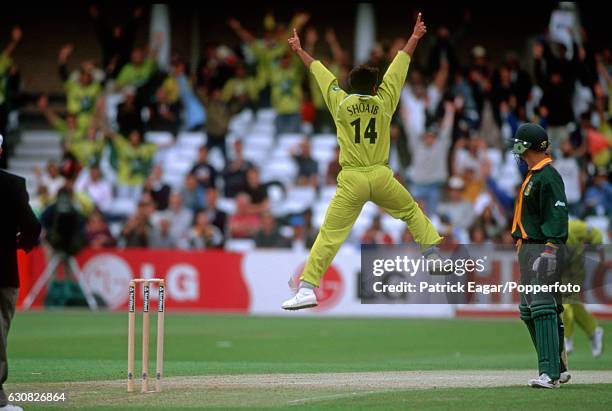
(132, 158)
(81, 92)
(286, 81)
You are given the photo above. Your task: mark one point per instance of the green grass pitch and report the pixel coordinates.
(84, 355)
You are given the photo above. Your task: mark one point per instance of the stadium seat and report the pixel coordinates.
(324, 141)
(160, 138)
(239, 245)
(215, 159)
(227, 205)
(306, 195)
(191, 140)
(255, 155)
(266, 115)
(259, 140)
(122, 207)
(394, 227)
(281, 170)
(327, 193)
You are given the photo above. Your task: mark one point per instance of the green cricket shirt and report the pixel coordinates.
(540, 212)
(363, 121)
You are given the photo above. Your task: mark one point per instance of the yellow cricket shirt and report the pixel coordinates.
(363, 121)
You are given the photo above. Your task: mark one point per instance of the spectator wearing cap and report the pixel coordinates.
(459, 211)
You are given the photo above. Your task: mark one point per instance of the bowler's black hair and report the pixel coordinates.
(363, 79)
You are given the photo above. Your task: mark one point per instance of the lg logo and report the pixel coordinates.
(108, 276)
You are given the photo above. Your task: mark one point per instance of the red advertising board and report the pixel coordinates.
(205, 280)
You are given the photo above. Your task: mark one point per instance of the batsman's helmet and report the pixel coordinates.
(529, 136)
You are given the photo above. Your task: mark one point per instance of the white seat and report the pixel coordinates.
(259, 140)
(370, 209)
(215, 158)
(174, 180)
(160, 138)
(324, 142)
(304, 195)
(323, 155)
(228, 205)
(281, 170)
(265, 115)
(255, 154)
(239, 245)
(393, 226)
(263, 128)
(275, 194)
(290, 140)
(122, 206)
(327, 193)
(191, 140)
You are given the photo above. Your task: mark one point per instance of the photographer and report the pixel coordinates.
(64, 228)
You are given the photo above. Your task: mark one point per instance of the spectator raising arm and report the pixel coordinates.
(240, 31)
(334, 45)
(62, 60)
(15, 39)
(50, 115)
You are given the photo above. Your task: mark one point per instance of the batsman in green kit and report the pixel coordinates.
(540, 227)
(363, 120)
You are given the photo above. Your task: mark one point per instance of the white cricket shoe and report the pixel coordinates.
(597, 342)
(564, 377)
(568, 343)
(304, 298)
(11, 407)
(543, 381)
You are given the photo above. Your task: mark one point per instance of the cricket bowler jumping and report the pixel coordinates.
(362, 120)
(540, 227)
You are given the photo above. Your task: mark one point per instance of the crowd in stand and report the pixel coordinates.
(448, 135)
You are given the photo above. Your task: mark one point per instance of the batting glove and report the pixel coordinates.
(546, 263)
